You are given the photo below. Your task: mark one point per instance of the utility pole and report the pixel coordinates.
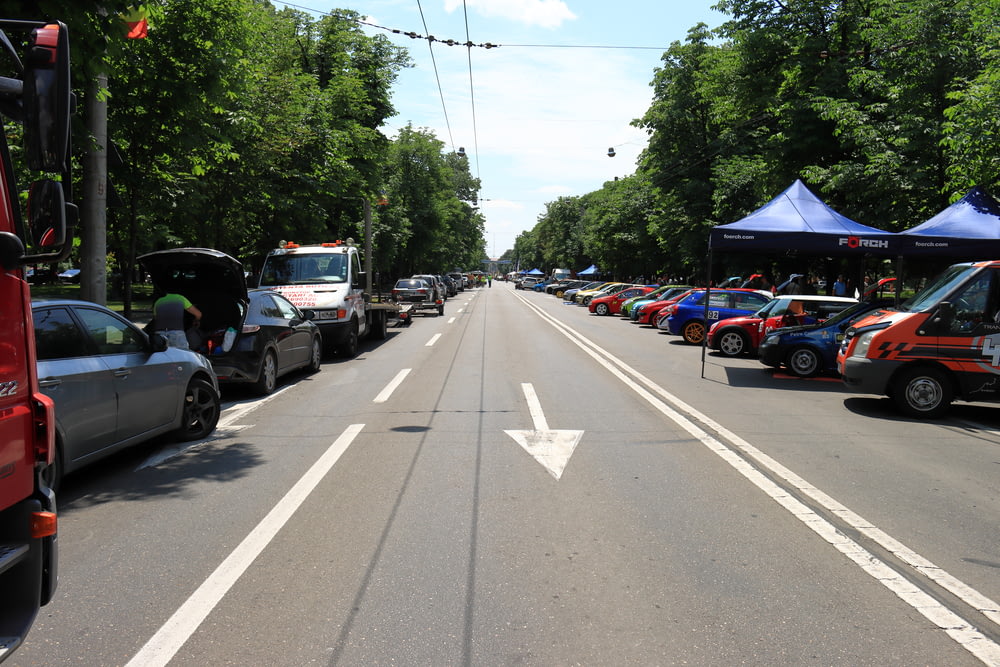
(94, 233)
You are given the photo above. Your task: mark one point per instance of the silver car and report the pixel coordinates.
(114, 386)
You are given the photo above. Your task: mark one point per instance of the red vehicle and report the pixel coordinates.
(646, 313)
(39, 97)
(736, 336)
(612, 303)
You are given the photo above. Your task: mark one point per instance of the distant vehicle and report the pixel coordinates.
(611, 304)
(686, 318)
(741, 335)
(646, 313)
(570, 294)
(806, 351)
(114, 386)
(69, 276)
(559, 288)
(418, 294)
(660, 293)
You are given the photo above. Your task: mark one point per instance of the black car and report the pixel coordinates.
(251, 337)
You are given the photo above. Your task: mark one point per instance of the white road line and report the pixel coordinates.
(941, 616)
(162, 647)
(433, 340)
(384, 395)
(452, 320)
(534, 407)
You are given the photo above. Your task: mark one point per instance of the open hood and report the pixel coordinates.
(193, 271)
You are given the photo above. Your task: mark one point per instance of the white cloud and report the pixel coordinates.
(543, 13)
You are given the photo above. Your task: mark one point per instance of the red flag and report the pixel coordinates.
(138, 24)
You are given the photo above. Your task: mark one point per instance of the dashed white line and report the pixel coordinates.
(384, 395)
(433, 340)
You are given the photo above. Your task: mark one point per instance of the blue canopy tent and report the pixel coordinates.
(799, 221)
(969, 228)
(589, 271)
(534, 272)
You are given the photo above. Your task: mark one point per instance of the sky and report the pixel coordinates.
(537, 114)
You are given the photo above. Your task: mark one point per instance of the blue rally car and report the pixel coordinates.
(686, 318)
(809, 350)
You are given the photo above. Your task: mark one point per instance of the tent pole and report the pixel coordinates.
(899, 280)
(708, 290)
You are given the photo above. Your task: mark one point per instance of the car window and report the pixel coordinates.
(109, 334)
(268, 308)
(748, 300)
(286, 310)
(57, 336)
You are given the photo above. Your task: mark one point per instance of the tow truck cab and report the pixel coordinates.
(942, 344)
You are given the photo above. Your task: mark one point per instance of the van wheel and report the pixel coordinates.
(201, 411)
(441, 310)
(924, 393)
(803, 362)
(267, 381)
(379, 326)
(693, 332)
(349, 346)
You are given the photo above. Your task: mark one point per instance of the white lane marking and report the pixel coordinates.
(223, 429)
(954, 625)
(452, 320)
(460, 310)
(551, 448)
(384, 395)
(163, 645)
(433, 340)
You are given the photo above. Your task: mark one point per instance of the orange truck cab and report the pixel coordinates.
(942, 344)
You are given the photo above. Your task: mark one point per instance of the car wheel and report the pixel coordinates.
(586, 300)
(441, 309)
(52, 474)
(559, 293)
(924, 393)
(693, 332)
(803, 362)
(733, 343)
(601, 309)
(201, 410)
(316, 355)
(349, 346)
(267, 380)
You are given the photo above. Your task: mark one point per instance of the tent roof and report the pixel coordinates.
(969, 227)
(798, 220)
(590, 269)
(534, 272)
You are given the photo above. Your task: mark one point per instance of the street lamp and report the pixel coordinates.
(611, 152)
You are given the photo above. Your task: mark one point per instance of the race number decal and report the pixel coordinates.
(991, 349)
(713, 314)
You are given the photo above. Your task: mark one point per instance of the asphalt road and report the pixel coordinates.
(521, 482)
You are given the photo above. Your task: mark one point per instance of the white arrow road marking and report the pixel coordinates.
(551, 448)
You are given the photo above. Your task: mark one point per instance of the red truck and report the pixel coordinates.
(38, 97)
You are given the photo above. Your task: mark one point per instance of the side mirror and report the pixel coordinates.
(11, 251)
(49, 217)
(308, 314)
(47, 99)
(945, 312)
(157, 342)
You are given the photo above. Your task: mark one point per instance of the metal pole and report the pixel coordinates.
(368, 246)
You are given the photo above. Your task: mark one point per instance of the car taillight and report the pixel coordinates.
(251, 328)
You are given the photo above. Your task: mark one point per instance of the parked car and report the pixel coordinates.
(461, 282)
(660, 293)
(450, 286)
(250, 337)
(646, 313)
(570, 294)
(741, 335)
(584, 297)
(686, 317)
(611, 304)
(418, 293)
(557, 289)
(440, 293)
(114, 386)
(527, 282)
(69, 276)
(806, 351)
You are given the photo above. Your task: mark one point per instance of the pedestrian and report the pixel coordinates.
(840, 286)
(489, 281)
(168, 318)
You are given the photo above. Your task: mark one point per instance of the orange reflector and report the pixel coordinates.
(43, 524)
(341, 313)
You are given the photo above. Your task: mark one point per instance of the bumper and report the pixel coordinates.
(769, 353)
(868, 376)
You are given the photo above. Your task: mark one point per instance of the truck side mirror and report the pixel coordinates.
(47, 99)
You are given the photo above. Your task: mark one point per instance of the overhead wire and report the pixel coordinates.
(437, 77)
(472, 90)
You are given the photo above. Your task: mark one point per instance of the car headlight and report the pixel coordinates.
(864, 342)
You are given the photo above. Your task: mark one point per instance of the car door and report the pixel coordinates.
(291, 333)
(146, 385)
(77, 380)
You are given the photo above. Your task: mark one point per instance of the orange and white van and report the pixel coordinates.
(943, 344)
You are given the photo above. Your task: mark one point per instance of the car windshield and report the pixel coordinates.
(767, 308)
(304, 269)
(410, 284)
(943, 285)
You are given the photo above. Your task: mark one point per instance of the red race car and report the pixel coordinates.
(612, 303)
